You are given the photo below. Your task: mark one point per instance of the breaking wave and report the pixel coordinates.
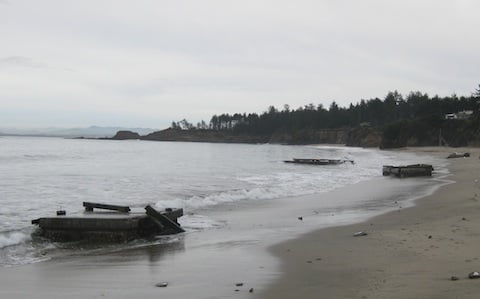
(12, 238)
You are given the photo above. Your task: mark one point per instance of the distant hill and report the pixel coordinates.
(88, 132)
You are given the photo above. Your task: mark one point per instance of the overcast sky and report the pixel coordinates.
(145, 63)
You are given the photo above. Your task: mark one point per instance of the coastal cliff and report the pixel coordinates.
(363, 137)
(426, 132)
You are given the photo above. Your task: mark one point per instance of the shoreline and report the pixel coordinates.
(408, 253)
(236, 252)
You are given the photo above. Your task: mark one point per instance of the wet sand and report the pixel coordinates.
(408, 253)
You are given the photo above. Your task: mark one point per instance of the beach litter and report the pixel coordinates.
(360, 233)
(162, 284)
(239, 284)
(454, 278)
(474, 275)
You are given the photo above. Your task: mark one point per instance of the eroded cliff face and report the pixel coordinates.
(310, 136)
(364, 137)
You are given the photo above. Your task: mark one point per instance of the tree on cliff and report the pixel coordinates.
(476, 93)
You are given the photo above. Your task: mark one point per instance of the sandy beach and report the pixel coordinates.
(408, 253)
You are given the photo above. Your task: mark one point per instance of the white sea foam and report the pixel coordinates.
(11, 238)
(199, 222)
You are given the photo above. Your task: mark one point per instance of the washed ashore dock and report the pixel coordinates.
(408, 170)
(113, 223)
(318, 161)
(458, 155)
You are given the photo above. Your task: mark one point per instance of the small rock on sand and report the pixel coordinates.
(359, 234)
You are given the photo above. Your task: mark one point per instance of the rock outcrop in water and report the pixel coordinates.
(124, 135)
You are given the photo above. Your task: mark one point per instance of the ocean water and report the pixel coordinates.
(40, 175)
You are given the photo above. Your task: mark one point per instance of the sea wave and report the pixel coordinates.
(8, 239)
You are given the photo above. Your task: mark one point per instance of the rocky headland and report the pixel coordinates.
(363, 137)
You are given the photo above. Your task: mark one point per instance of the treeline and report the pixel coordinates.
(373, 113)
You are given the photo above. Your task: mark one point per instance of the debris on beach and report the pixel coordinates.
(360, 233)
(474, 275)
(407, 170)
(454, 278)
(162, 284)
(318, 161)
(300, 218)
(113, 223)
(251, 290)
(239, 284)
(458, 155)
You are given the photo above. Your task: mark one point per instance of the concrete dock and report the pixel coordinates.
(116, 224)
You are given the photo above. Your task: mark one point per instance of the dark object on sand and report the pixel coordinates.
(318, 161)
(251, 290)
(240, 284)
(408, 170)
(162, 284)
(116, 224)
(454, 278)
(61, 213)
(360, 234)
(458, 155)
(474, 275)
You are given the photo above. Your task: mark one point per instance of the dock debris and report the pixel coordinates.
(458, 155)
(318, 161)
(113, 224)
(412, 170)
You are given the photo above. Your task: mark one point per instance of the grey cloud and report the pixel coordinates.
(20, 61)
